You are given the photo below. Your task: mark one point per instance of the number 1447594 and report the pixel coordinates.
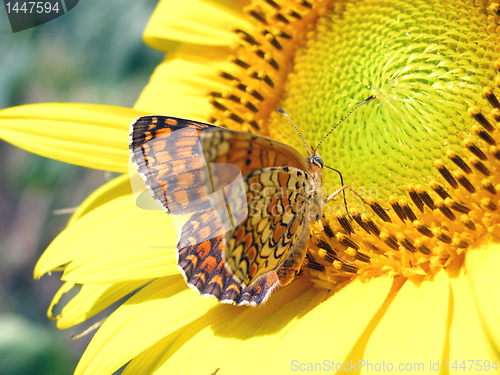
(32, 7)
(469, 365)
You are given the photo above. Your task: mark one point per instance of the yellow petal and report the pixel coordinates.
(89, 135)
(65, 288)
(127, 242)
(411, 331)
(467, 340)
(127, 261)
(92, 299)
(195, 21)
(482, 267)
(331, 330)
(111, 190)
(225, 335)
(156, 311)
(180, 84)
(154, 360)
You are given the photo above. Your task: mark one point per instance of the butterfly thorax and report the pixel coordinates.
(316, 196)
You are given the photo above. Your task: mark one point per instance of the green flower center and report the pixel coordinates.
(427, 62)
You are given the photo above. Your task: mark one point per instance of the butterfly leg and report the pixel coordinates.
(370, 202)
(342, 189)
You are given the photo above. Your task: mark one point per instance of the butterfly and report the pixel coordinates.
(250, 202)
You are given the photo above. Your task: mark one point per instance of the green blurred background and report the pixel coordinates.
(92, 54)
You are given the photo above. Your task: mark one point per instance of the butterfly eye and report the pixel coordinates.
(318, 160)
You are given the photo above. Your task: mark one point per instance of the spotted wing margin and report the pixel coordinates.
(199, 257)
(276, 227)
(167, 154)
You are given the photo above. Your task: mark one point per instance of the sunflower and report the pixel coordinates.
(423, 292)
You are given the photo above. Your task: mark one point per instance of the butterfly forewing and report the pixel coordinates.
(249, 152)
(167, 154)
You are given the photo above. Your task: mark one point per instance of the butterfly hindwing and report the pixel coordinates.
(276, 223)
(245, 265)
(204, 269)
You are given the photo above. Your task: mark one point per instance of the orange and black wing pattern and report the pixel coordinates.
(249, 152)
(203, 266)
(186, 165)
(275, 228)
(167, 154)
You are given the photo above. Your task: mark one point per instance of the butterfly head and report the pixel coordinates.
(316, 161)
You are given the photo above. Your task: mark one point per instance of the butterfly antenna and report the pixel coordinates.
(346, 116)
(297, 130)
